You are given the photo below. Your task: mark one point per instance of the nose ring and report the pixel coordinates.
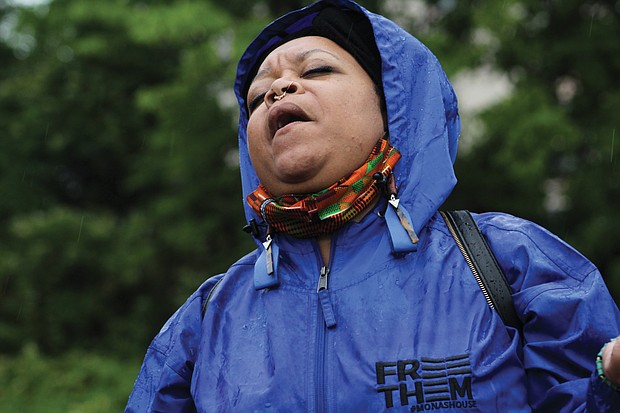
(280, 97)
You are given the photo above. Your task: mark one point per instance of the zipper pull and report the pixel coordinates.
(398, 220)
(266, 267)
(404, 218)
(268, 254)
(403, 236)
(325, 300)
(323, 279)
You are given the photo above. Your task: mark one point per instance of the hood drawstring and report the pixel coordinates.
(403, 236)
(252, 229)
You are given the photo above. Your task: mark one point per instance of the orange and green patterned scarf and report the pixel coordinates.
(311, 215)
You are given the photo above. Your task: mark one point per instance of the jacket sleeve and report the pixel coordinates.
(567, 313)
(163, 384)
(565, 329)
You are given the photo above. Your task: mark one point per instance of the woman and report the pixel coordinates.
(357, 298)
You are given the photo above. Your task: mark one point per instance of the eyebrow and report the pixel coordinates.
(299, 57)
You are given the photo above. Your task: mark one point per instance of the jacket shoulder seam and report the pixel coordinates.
(566, 269)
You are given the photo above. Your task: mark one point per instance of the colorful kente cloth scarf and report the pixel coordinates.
(310, 215)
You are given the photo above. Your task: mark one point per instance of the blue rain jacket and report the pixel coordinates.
(407, 332)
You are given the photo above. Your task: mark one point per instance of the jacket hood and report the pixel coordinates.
(423, 120)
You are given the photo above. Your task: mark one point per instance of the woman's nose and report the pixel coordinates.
(280, 88)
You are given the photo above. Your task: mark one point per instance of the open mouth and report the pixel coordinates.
(284, 115)
(288, 118)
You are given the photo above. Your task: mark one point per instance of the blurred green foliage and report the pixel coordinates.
(118, 162)
(72, 383)
(548, 152)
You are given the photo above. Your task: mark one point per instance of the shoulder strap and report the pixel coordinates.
(206, 303)
(483, 264)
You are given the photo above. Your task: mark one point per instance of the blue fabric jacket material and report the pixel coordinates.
(392, 332)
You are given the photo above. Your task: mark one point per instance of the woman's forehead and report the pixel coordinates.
(299, 50)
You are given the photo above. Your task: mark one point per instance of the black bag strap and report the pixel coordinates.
(483, 264)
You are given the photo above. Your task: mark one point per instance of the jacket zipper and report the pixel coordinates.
(326, 320)
(320, 342)
(470, 263)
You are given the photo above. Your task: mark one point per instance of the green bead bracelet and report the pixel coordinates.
(599, 367)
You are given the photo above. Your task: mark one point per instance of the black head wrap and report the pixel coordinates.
(348, 29)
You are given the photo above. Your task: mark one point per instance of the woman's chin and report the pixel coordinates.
(296, 184)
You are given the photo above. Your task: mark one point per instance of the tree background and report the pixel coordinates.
(119, 186)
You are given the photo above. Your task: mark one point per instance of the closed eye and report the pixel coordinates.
(317, 71)
(256, 101)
